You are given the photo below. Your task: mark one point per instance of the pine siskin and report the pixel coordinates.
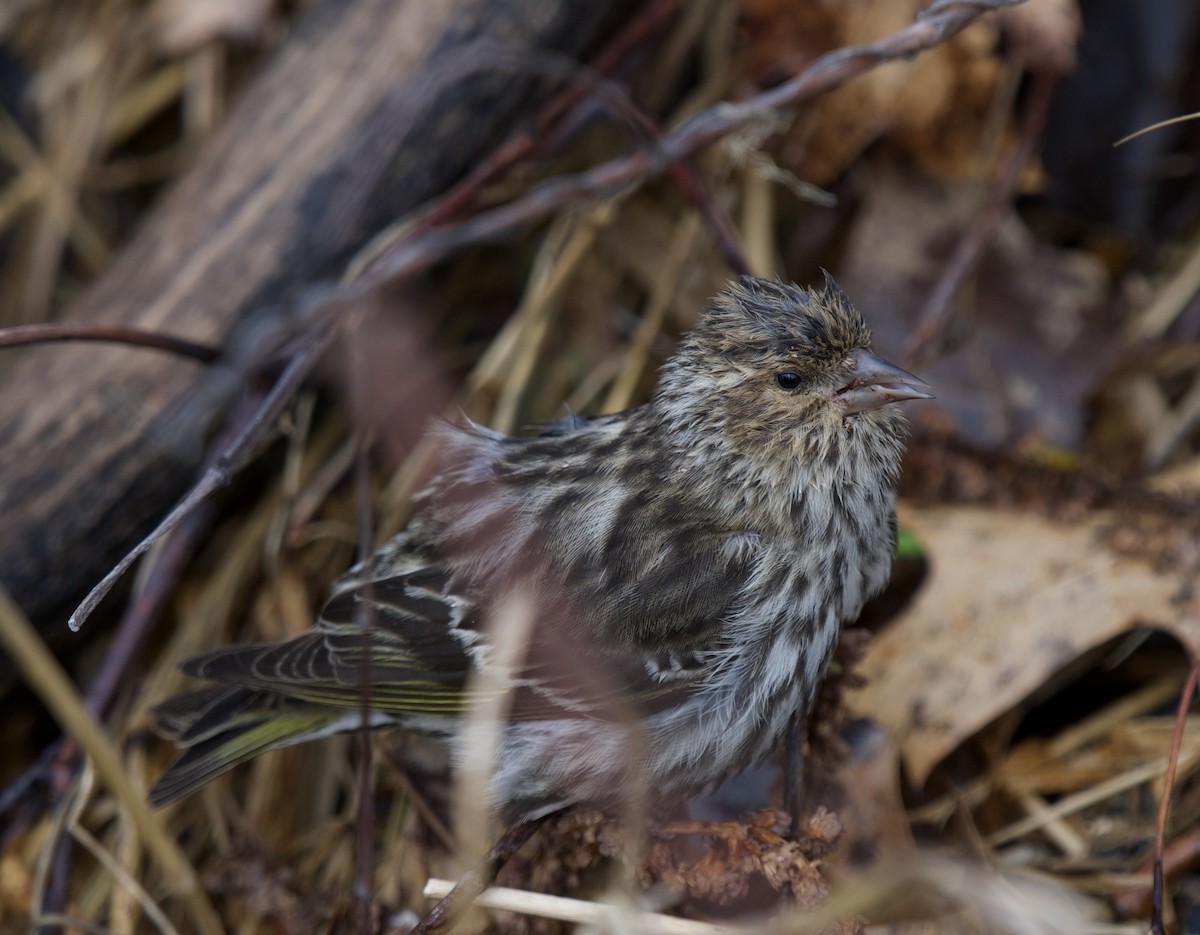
(688, 565)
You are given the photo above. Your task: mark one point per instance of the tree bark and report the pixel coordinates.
(370, 109)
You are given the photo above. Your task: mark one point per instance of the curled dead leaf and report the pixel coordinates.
(1011, 598)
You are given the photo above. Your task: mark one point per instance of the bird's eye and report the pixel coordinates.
(789, 380)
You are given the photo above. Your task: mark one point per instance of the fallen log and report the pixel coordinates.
(370, 109)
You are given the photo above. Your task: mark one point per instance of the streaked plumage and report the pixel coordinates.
(690, 563)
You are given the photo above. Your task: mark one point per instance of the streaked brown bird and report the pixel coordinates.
(688, 565)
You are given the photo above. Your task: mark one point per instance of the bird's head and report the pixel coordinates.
(783, 370)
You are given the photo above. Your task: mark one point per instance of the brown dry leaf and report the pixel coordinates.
(183, 25)
(1030, 338)
(779, 37)
(1044, 33)
(935, 109)
(1011, 599)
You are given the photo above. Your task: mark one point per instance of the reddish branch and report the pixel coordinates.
(1177, 857)
(25, 335)
(1164, 804)
(707, 127)
(587, 87)
(364, 616)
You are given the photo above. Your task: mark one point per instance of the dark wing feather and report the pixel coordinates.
(231, 726)
(412, 657)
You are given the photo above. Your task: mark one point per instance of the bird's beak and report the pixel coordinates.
(872, 383)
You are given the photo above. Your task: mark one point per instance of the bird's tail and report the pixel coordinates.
(222, 727)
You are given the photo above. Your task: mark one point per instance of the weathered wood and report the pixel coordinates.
(368, 111)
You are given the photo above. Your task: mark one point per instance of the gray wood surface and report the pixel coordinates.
(370, 109)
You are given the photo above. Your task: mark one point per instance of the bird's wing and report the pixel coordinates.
(411, 643)
(413, 652)
(398, 638)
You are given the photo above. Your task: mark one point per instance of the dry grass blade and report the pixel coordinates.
(621, 395)
(562, 251)
(603, 916)
(1160, 832)
(1169, 301)
(44, 674)
(126, 880)
(1021, 760)
(1183, 118)
(484, 728)
(490, 690)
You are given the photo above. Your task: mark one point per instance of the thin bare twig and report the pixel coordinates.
(160, 579)
(938, 311)
(16, 792)
(365, 614)
(168, 564)
(1162, 124)
(522, 144)
(1177, 857)
(589, 914)
(1164, 804)
(26, 335)
(309, 351)
(624, 110)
